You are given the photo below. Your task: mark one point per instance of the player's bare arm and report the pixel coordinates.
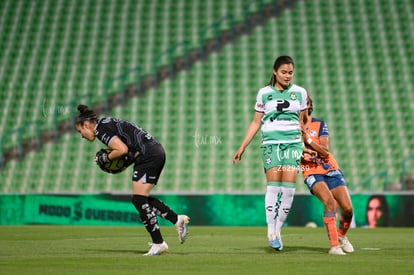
(303, 117)
(322, 148)
(118, 147)
(250, 133)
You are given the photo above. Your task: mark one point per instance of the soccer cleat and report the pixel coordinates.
(346, 245)
(157, 249)
(182, 228)
(336, 250)
(276, 243)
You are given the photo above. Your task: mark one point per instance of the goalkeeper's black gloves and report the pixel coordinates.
(101, 157)
(130, 158)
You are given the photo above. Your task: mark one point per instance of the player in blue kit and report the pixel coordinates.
(326, 181)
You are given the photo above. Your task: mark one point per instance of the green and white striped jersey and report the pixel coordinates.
(280, 123)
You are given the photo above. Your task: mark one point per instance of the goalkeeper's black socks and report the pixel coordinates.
(161, 209)
(148, 217)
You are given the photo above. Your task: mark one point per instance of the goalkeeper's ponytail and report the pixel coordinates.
(85, 114)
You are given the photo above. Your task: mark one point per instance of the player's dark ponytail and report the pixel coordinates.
(85, 114)
(272, 80)
(310, 105)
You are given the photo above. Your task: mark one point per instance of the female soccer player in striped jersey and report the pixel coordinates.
(326, 181)
(279, 111)
(148, 157)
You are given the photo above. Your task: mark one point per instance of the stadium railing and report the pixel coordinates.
(216, 27)
(247, 12)
(123, 80)
(366, 183)
(170, 52)
(20, 132)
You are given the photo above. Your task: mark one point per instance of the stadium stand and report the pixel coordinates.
(354, 57)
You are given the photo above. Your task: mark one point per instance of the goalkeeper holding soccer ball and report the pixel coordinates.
(138, 147)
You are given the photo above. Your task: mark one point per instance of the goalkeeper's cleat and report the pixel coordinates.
(276, 243)
(336, 250)
(346, 245)
(182, 227)
(157, 249)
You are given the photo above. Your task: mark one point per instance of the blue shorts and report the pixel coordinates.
(332, 179)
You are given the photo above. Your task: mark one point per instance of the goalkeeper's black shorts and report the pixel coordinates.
(148, 166)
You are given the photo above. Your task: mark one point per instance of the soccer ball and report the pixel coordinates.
(311, 225)
(114, 166)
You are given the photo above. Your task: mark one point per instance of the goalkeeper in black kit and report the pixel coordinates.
(136, 146)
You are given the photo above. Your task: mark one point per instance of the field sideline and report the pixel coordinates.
(208, 250)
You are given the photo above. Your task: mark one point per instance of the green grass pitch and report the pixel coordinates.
(208, 250)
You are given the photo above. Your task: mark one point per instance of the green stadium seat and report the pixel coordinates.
(79, 58)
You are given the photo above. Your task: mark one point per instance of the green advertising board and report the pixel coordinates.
(221, 210)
